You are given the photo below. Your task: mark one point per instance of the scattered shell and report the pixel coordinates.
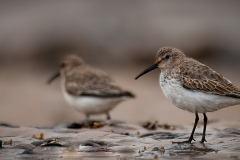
(112, 131)
(56, 139)
(86, 124)
(166, 126)
(162, 149)
(8, 142)
(96, 125)
(126, 133)
(154, 125)
(41, 136)
(155, 149)
(34, 136)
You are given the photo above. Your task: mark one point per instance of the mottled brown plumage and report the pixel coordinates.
(83, 80)
(89, 90)
(194, 75)
(193, 86)
(199, 77)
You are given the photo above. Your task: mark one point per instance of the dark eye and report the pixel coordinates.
(167, 56)
(62, 65)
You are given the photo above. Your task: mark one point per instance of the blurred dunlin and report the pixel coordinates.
(193, 86)
(89, 90)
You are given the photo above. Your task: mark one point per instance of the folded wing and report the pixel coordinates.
(199, 77)
(89, 82)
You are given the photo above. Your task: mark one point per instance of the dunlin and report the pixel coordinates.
(193, 86)
(89, 90)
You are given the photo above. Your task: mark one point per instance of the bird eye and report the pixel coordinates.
(167, 56)
(62, 65)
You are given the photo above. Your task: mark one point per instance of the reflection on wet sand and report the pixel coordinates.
(109, 142)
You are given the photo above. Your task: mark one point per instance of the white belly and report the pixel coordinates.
(91, 105)
(194, 101)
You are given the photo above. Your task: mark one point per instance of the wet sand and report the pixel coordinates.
(116, 139)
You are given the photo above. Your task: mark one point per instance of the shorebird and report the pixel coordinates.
(89, 90)
(192, 86)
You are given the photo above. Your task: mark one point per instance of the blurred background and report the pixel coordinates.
(120, 37)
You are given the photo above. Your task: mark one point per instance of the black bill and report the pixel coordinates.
(57, 74)
(152, 67)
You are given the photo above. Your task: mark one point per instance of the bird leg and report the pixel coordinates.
(194, 127)
(204, 128)
(87, 117)
(108, 116)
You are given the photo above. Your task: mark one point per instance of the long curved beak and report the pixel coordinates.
(57, 74)
(152, 67)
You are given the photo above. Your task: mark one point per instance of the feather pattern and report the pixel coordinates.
(199, 77)
(87, 81)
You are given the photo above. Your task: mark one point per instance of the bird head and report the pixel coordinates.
(166, 58)
(69, 63)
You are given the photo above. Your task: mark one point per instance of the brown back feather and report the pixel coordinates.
(199, 77)
(88, 81)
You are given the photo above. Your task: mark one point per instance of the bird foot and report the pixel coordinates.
(108, 116)
(203, 140)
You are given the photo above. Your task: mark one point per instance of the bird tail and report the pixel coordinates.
(128, 94)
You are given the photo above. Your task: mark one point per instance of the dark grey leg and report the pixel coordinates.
(204, 128)
(108, 116)
(87, 116)
(194, 127)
